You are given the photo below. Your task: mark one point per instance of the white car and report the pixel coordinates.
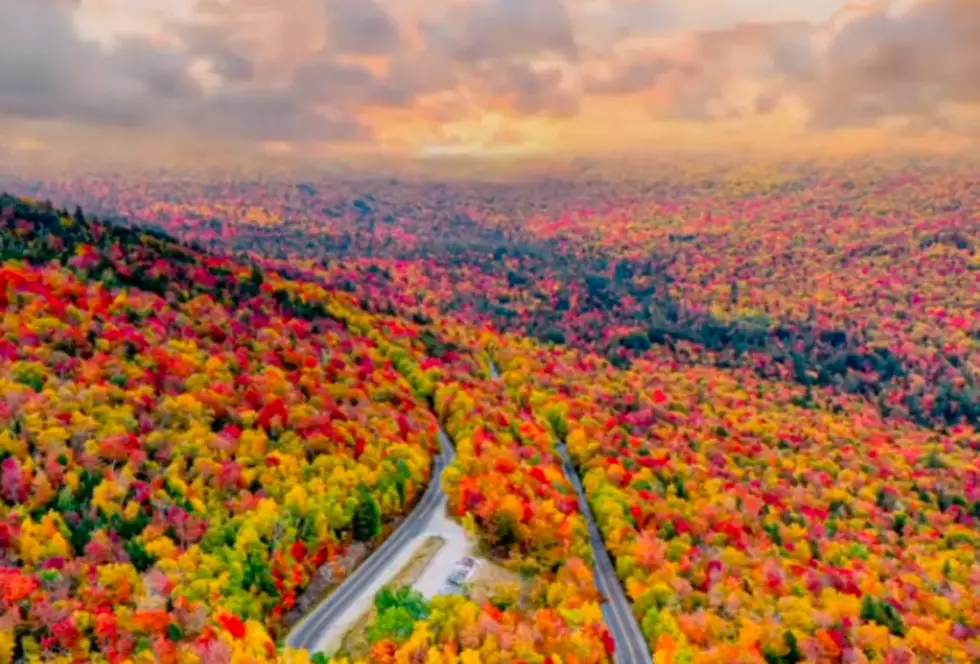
(462, 571)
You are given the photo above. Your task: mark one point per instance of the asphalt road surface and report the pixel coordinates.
(308, 631)
(631, 647)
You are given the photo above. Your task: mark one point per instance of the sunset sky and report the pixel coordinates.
(319, 78)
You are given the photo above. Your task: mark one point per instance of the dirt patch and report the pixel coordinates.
(491, 581)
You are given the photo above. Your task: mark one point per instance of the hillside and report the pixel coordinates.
(858, 278)
(188, 440)
(182, 449)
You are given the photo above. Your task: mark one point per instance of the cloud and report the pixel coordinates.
(505, 55)
(324, 80)
(142, 86)
(646, 16)
(873, 64)
(361, 26)
(730, 72)
(881, 64)
(634, 76)
(47, 72)
(271, 115)
(337, 70)
(857, 69)
(502, 29)
(225, 57)
(529, 91)
(695, 77)
(415, 74)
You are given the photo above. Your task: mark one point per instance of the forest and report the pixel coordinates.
(766, 384)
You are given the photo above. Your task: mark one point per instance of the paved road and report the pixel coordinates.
(307, 632)
(631, 647)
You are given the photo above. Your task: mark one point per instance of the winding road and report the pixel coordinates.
(631, 646)
(307, 633)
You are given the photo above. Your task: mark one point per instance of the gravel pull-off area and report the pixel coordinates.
(430, 583)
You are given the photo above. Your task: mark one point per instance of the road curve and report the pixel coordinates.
(306, 633)
(631, 646)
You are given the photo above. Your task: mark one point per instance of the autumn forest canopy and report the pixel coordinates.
(216, 393)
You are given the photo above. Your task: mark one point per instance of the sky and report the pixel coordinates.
(322, 79)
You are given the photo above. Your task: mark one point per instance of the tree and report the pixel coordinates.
(553, 335)
(505, 526)
(367, 518)
(398, 611)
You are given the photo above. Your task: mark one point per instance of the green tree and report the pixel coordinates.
(367, 518)
(397, 613)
